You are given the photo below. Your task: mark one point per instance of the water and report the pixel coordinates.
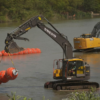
(36, 69)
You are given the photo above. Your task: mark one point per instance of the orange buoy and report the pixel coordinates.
(15, 53)
(3, 51)
(33, 50)
(25, 51)
(29, 50)
(20, 53)
(5, 54)
(11, 73)
(38, 50)
(3, 78)
(0, 53)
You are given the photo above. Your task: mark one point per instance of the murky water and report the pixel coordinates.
(36, 69)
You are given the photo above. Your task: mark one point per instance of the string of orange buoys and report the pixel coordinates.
(9, 74)
(25, 51)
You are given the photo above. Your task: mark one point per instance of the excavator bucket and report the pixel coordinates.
(12, 47)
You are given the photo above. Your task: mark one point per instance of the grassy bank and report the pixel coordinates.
(85, 95)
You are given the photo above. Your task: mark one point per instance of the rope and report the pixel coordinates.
(11, 59)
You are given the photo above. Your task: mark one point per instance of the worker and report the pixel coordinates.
(72, 71)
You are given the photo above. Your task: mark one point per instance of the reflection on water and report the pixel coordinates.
(91, 58)
(15, 57)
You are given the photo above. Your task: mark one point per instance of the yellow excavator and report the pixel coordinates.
(69, 72)
(89, 41)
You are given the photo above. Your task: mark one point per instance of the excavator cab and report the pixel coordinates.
(75, 69)
(85, 36)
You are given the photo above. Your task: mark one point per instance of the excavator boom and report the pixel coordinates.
(61, 39)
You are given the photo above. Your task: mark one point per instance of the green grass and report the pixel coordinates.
(85, 95)
(13, 96)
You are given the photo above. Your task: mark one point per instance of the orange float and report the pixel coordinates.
(15, 53)
(33, 50)
(11, 73)
(11, 54)
(5, 54)
(38, 50)
(0, 53)
(3, 78)
(25, 51)
(29, 50)
(20, 53)
(3, 51)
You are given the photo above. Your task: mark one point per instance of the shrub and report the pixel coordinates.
(85, 95)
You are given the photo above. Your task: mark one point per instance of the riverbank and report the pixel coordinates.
(56, 17)
(53, 16)
(21, 10)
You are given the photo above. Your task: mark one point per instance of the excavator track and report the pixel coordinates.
(51, 83)
(60, 85)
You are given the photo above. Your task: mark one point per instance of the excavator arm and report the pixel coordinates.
(61, 39)
(96, 30)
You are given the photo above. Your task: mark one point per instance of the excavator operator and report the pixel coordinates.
(72, 70)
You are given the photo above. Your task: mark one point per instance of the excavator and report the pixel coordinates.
(89, 41)
(70, 73)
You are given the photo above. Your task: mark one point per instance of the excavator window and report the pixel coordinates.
(73, 66)
(86, 36)
(58, 63)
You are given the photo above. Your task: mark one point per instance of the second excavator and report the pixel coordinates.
(89, 41)
(69, 72)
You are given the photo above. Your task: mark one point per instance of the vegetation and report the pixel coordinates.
(85, 95)
(19, 10)
(14, 97)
